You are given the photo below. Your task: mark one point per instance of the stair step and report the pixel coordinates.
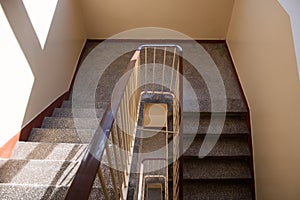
(203, 104)
(70, 123)
(217, 114)
(216, 125)
(78, 113)
(216, 189)
(36, 175)
(49, 151)
(208, 168)
(61, 135)
(70, 104)
(37, 172)
(30, 192)
(237, 146)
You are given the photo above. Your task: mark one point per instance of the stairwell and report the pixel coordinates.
(43, 167)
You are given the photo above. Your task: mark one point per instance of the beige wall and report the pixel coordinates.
(261, 43)
(48, 70)
(199, 19)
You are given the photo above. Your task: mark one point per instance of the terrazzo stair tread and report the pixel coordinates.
(61, 135)
(30, 192)
(96, 104)
(224, 147)
(70, 123)
(221, 190)
(208, 168)
(78, 112)
(49, 151)
(37, 172)
(53, 191)
(204, 105)
(231, 125)
(43, 172)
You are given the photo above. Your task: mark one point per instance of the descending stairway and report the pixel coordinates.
(43, 167)
(225, 173)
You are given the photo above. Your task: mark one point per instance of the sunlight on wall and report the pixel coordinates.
(292, 7)
(16, 81)
(41, 14)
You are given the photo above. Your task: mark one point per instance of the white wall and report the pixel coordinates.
(261, 43)
(34, 75)
(199, 19)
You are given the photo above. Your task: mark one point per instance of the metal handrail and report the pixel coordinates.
(143, 177)
(90, 165)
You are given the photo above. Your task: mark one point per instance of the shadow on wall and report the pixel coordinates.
(40, 45)
(17, 75)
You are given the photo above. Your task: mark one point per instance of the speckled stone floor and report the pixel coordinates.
(214, 57)
(44, 167)
(225, 172)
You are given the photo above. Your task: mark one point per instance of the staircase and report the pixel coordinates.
(225, 173)
(43, 167)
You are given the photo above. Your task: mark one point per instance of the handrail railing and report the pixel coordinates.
(113, 140)
(156, 168)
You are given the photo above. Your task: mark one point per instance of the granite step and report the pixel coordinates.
(49, 151)
(225, 146)
(216, 125)
(31, 192)
(70, 123)
(217, 189)
(70, 104)
(44, 179)
(204, 104)
(37, 172)
(215, 169)
(217, 114)
(43, 172)
(61, 135)
(78, 113)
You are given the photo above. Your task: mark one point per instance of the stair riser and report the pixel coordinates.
(90, 105)
(218, 146)
(210, 169)
(78, 113)
(49, 151)
(70, 123)
(217, 189)
(62, 135)
(216, 125)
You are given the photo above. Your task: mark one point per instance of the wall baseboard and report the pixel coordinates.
(7, 149)
(155, 40)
